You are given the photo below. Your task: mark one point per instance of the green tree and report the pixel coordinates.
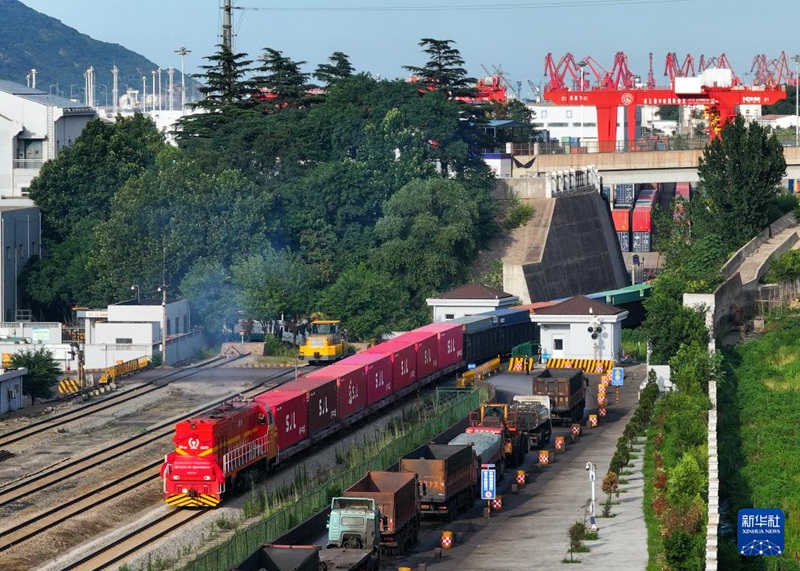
(280, 77)
(444, 69)
(669, 324)
(739, 175)
(270, 284)
(80, 184)
(337, 69)
(692, 367)
(170, 217)
(353, 300)
(208, 286)
(226, 91)
(75, 193)
(42, 375)
(428, 236)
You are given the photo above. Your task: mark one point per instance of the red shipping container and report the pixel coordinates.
(451, 342)
(622, 219)
(323, 401)
(378, 369)
(426, 345)
(290, 412)
(404, 361)
(642, 221)
(351, 385)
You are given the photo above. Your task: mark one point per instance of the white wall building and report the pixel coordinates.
(132, 329)
(34, 127)
(470, 299)
(564, 329)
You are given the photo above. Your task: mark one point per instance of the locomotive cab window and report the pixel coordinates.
(124, 341)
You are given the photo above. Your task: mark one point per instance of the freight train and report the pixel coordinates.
(213, 451)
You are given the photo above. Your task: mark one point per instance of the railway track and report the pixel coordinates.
(133, 541)
(93, 407)
(107, 492)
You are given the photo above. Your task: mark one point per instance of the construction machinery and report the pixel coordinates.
(324, 342)
(500, 419)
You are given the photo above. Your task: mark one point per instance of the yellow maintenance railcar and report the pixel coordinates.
(324, 342)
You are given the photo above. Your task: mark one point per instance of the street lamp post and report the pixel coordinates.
(796, 60)
(182, 52)
(138, 292)
(592, 469)
(163, 290)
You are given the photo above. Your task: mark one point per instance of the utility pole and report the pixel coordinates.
(227, 26)
(163, 290)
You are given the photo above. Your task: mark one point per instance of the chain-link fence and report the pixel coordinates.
(245, 541)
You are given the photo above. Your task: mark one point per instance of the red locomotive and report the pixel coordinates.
(211, 451)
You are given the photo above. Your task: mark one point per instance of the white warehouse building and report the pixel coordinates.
(34, 127)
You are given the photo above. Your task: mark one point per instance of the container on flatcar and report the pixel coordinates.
(450, 338)
(508, 316)
(289, 409)
(351, 385)
(404, 361)
(474, 323)
(323, 401)
(426, 346)
(378, 369)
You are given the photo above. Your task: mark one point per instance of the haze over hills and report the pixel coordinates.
(61, 55)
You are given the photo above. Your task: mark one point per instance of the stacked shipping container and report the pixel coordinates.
(642, 220)
(622, 224)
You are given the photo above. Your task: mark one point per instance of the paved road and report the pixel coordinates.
(530, 532)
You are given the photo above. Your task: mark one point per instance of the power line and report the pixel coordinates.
(462, 8)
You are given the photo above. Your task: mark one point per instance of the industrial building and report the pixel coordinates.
(34, 127)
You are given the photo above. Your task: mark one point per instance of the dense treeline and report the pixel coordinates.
(357, 197)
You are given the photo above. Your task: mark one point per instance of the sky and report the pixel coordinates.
(381, 36)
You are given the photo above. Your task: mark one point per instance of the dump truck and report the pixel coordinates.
(396, 496)
(282, 558)
(498, 418)
(488, 447)
(354, 537)
(533, 418)
(566, 389)
(447, 477)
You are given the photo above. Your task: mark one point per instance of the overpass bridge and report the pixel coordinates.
(634, 167)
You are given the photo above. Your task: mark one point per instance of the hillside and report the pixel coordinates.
(62, 54)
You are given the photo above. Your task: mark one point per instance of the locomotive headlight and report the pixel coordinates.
(176, 477)
(185, 490)
(206, 478)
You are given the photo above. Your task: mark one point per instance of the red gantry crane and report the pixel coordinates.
(618, 88)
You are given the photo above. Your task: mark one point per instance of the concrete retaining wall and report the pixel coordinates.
(581, 254)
